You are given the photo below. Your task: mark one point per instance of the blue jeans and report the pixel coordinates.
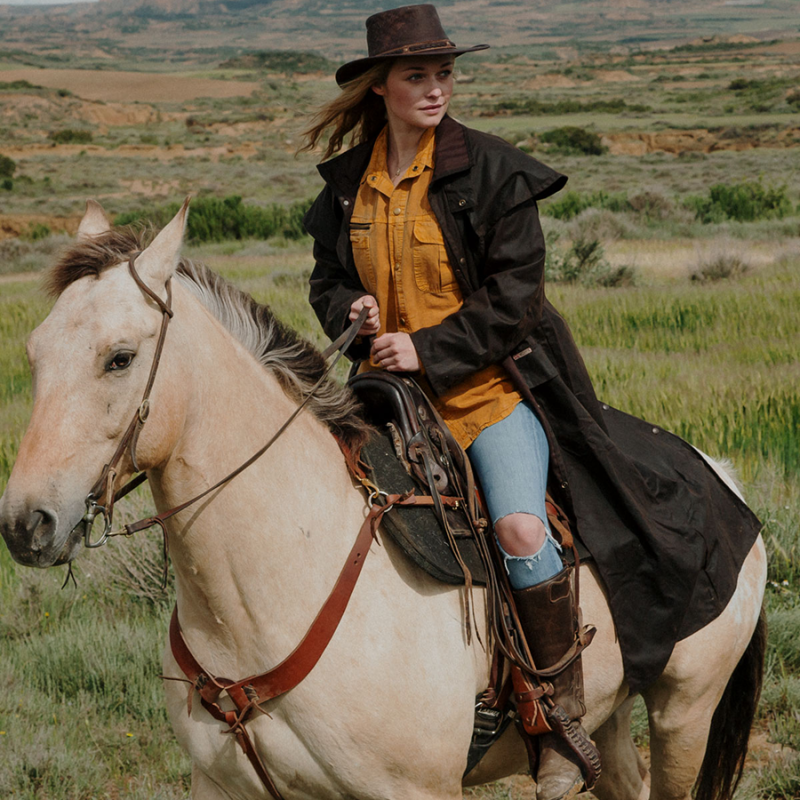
(510, 459)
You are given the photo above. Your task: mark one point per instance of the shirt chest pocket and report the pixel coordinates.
(360, 241)
(432, 270)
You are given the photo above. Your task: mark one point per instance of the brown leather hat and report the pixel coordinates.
(399, 32)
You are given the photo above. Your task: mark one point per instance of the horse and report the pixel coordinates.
(387, 711)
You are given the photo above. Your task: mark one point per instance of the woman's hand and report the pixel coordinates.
(395, 352)
(372, 323)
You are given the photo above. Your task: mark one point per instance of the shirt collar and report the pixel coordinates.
(377, 171)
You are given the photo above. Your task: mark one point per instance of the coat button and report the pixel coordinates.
(398, 211)
(462, 261)
(564, 484)
(462, 202)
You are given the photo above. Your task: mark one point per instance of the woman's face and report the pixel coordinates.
(417, 91)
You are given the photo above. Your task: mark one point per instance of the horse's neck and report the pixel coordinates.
(255, 560)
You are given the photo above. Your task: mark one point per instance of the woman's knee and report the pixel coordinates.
(520, 534)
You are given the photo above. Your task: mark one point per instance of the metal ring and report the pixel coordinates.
(92, 510)
(374, 496)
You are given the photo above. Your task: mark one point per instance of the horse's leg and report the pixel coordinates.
(625, 775)
(682, 702)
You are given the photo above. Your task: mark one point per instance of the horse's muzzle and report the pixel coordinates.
(32, 537)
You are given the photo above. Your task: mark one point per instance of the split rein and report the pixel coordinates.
(101, 498)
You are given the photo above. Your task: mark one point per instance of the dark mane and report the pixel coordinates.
(295, 362)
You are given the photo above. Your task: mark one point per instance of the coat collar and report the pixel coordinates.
(344, 172)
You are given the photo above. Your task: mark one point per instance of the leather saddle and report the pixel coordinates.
(413, 450)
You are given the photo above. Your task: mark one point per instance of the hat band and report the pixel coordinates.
(415, 48)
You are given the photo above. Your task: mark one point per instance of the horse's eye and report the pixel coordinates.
(120, 361)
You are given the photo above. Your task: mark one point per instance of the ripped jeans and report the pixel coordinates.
(510, 459)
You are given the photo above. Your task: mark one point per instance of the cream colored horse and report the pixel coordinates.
(388, 710)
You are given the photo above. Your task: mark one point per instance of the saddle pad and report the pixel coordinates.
(416, 531)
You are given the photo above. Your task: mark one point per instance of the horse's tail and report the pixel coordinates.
(730, 726)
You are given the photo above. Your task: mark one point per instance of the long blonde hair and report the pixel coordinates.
(357, 109)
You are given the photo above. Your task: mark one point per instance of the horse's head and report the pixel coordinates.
(90, 361)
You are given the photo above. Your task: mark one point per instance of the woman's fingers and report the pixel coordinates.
(372, 323)
(395, 352)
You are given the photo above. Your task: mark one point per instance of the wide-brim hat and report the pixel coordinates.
(402, 32)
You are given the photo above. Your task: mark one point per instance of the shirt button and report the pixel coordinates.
(398, 211)
(345, 202)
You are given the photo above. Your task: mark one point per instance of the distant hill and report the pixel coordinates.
(336, 30)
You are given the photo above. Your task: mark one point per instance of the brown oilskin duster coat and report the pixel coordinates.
(668, 537)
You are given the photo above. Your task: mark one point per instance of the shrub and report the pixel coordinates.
(651, 205)
(214, 219)
(37, 231)
(535, 107)
(571, 141)
(722, 266)
(7, 184)
(743, 202)
(7, 167)
(585, 263)
(283, 61)
(571, 204)
(70, 136)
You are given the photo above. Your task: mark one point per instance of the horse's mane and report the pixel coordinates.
(296, 363)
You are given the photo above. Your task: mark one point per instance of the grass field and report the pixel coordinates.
(713, 360)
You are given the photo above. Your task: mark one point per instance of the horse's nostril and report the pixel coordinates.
(42, 524)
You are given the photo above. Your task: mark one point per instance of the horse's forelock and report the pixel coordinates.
(93, 255)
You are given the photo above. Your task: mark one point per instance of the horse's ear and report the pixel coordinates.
(157, 263)
(94, 222)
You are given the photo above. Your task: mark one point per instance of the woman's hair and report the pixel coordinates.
(357, 109)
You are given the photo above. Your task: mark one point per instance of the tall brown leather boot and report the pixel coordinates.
(549, 615)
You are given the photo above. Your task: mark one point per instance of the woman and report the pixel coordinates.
(434, 227)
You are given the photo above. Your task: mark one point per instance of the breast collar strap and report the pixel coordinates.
(250, 693)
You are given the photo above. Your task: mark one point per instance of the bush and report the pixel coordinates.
(722, 266)
(573, 141)
(7, 184)
(70, 136)
(743, 202)
(534, 107)
(7, 167)
(213, 219)
(571, 204)
(585, 263)
(283, 61)
(37, 231)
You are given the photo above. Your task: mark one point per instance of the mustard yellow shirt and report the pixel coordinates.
(401, 259)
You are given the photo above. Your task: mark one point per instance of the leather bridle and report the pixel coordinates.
(102, 497)
(103, 490)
